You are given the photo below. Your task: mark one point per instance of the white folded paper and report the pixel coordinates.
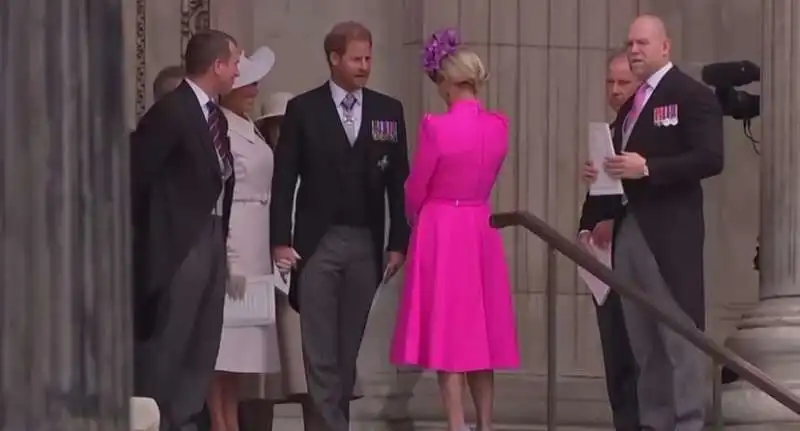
(281, 281)
(257, 308)
(598, 289)
(601, 147)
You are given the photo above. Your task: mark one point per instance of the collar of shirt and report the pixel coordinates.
(338, 94)
(656, 77)
(201, 95)
(240, 125)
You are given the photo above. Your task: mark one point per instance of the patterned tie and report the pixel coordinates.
(219, 128)
(348, 103)
(638, 104)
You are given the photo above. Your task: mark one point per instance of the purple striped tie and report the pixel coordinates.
(218, 129)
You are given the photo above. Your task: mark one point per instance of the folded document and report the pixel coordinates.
(599, 289)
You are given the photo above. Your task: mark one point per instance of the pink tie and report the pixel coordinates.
(638, 103)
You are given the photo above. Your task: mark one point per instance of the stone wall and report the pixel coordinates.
(547, 59)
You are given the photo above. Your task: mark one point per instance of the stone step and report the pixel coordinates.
(292, 424)
(295, 424)
(441, 426)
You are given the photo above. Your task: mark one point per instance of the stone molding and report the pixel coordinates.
(141, 62)
(195, 15)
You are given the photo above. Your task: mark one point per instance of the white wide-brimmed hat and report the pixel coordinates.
(254, 68)
(275, 106)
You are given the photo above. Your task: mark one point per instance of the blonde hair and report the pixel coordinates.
(464, 67)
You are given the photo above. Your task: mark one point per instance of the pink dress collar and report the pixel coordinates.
(466, 104)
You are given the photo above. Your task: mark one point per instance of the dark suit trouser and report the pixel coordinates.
(673, 381)
(337, 285)
(619, 363)
(175, 367)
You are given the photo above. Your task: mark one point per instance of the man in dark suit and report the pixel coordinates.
(669, 140)
(347, 145)
(618, 360)
(181, 186)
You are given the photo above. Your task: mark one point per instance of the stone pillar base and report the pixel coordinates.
(769, 338)
(774, 427)
(745, 408)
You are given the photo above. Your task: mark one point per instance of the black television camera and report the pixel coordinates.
(725, 77)
(738, 104)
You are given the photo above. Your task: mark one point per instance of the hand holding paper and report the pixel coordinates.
(602, 233)
(285, 259)
(394, 263)
(626, 165)
(601, 148)
(598, 289)
(589, 172)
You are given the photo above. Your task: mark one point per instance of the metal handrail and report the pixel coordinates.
(558, 242)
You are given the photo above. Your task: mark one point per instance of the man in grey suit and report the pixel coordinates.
(670, 140)
(347, 144)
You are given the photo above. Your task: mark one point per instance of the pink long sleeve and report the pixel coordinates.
(425, 159)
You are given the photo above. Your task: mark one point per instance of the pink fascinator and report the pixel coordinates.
(441, 44)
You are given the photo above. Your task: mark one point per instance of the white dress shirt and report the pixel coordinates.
(652, 82)
(654, 79)
(202, 97)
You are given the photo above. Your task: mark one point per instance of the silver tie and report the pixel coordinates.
(349, 124)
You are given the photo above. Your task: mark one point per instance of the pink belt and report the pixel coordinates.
(458, 202)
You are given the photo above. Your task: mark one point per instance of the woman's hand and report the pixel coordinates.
(285, 259)
(237, 285)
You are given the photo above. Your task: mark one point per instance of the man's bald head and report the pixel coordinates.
(648, 45)
(651, 23)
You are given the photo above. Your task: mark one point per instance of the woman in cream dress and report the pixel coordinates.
(249, 344)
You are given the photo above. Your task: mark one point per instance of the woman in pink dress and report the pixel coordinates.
(456, 315)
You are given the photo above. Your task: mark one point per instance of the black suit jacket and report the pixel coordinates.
(668, 203)
(175, 182)
(311, 144)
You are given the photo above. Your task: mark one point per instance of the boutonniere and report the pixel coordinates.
(384, 130)
(383, 163)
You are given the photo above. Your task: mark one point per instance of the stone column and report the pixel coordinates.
(769, 335)
(64, 241)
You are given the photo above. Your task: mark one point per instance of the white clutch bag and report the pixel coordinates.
(256, 308)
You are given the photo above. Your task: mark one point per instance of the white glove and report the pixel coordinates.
(237, 284)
